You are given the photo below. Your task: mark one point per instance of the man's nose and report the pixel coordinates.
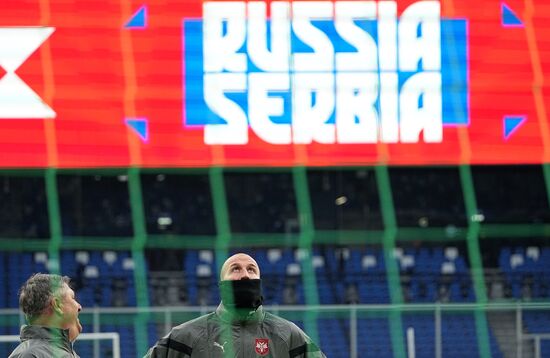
(245, 275)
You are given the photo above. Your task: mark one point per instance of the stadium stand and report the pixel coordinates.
(349, 256)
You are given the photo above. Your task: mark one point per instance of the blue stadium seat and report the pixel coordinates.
(100, 278)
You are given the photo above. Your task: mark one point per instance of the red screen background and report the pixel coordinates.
(94, 73)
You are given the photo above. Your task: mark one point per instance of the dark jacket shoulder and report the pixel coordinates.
(43, 342)
(189, 331)
(282, 327)
(181, 340)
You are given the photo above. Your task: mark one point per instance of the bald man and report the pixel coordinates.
(239, 327)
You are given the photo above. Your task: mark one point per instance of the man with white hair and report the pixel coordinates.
(239, 327)
(51, 309)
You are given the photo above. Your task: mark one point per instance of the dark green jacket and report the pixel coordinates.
(44, 342)
(220, 334)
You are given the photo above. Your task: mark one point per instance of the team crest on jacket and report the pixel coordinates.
(262, 346)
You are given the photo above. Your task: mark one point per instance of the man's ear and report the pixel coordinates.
(57, 305)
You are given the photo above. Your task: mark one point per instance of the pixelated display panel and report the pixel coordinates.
(195, 84)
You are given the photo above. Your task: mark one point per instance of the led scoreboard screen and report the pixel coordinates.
(156, 83)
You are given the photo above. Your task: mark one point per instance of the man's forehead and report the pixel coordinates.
(66, 289)
(240, 259)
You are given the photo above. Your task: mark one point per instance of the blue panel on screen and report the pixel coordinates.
(509, 17)
(138, 19)
(454, 72)
(511, 125)
(140, 127)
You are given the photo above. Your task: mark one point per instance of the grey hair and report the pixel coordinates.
(36, 294)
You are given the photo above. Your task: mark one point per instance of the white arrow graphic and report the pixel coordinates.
(17, 99)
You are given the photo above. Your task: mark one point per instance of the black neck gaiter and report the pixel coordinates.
(241, 294)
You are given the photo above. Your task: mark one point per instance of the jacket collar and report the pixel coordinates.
(240, 318)
(55, 335)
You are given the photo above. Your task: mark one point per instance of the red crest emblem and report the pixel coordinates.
(262, 346)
